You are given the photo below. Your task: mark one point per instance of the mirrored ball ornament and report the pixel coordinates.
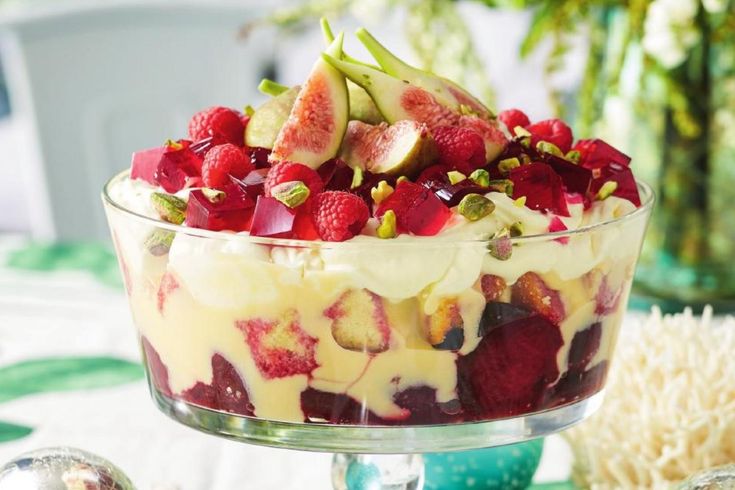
(62, 468)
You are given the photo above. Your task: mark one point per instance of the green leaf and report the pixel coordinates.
(542, 23)
(65, 374)
(11, 432)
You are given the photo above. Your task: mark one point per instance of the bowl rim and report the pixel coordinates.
(648, 198)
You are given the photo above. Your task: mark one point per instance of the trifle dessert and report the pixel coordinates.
(376, 247)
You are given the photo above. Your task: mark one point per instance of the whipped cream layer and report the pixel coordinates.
(226, 282)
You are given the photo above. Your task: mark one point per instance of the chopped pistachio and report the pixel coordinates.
(480, 177)
(213, 195)
(249, 110)
(381, 191)
(173, 145)
(387, 227)
(502, 185)
(573, 156)
(402, 178)
(159, 242)
(606, 190)
(508, 164)
(550, 148)
(516, 229)
(357, 176)
(500, 245)
(521, 132)
(520, 202)
(475, 207)
(169, 207)
(292, 194)
(525, 159)
(456, 177)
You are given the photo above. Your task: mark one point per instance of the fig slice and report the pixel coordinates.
(403, 148)
(362, 107)
(446, 91)
(398, 99)
(267, 120)
(313, 132)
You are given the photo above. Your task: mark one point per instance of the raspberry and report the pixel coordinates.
(339, 216)
(289, 172)
(222, 161)
(459, 148)
(223, 124)
(551, 130)
(512, 118)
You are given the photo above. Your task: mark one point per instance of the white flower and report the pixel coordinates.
(669, 30)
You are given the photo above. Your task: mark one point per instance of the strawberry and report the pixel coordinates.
(532, 292)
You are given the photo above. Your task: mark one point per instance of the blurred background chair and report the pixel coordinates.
(88, 85)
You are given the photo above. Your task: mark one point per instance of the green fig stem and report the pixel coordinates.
(327, 33)
(390, 63)
(269, 87)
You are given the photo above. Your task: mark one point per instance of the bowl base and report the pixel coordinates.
(377, 439)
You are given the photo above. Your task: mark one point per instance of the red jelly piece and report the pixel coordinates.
(157, 370)
(585, 344)
(272, 218)
(417, 209)
(253, 182)
(225, 392)
(595, 153)
(542, 187)
(435, 179)
(575, 178)
(575, 385)
(555, 225)
(626, 189)
(179, 167)
(145, 163)
(201, 147)
(231, 213)
(259, 157)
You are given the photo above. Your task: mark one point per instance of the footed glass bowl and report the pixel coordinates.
(414, 344)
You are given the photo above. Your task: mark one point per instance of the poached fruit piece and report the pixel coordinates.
(511, 368)
(530, 291)
(226, 391)
(313, 132)
(403, 148)
(622, 176)
(542, 187)
(280, 347)
(229, 209)
(359, 321)
(595, 153)
(417, 209)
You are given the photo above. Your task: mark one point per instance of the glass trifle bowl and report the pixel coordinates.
(385, 267)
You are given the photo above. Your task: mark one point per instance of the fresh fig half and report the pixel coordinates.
(267, 120)
(446, 91)
(403, 148)
(313, 132)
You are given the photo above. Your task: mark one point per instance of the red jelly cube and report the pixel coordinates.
(253, 182)
(595, 153)
(435, 179)
(230, 212)
(555, 225)
(542, 187)
(272, 218)
(575, 177)
(622, 175)
(179, 167)
(145, 163)
(417, 209)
